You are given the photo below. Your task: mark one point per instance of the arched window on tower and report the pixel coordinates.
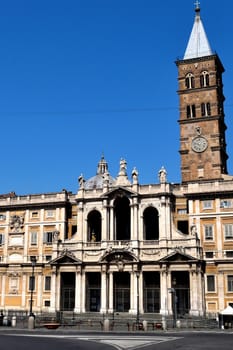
(122, 218)
(191, 111)
(189, 81)
(151, 223)
(94, 226)
(205, 109)
(204, 79)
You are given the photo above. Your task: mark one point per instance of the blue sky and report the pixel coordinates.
(82, 78)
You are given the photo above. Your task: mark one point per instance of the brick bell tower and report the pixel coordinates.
(202, 126)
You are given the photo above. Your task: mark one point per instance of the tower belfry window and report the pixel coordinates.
(189, 81)
(191, 111)
(205, 109)
(204, 79)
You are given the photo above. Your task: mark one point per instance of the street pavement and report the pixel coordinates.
(182, 339)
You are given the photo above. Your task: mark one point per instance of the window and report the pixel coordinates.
(48, 257)
(191, 111)
(49, 213)
(204, 79)
(183, 226)
(230, 283)
(209, 255)
(207, 204)
(2, 217)
(34, 214)
(47, 284)
(32, 283)
(182, 211)
(228, 231)
(210, 283)
(2, 239)
(13, 284)
(226, 204)
(229, 254)
(189, 81)
(208, 229)
(205, 109)
(47, 303)
(48, 237)
(34, 238)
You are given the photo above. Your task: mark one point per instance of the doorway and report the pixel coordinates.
(67, 291)
(121, 291)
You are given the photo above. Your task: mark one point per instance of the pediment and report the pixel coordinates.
(119, 191)
(66, 258)
(178, 256)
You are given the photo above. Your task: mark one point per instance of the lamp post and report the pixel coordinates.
(31, 319)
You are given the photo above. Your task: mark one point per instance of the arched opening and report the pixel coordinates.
(151, 223)
(94, 226)
(122, 218)
(189, 81)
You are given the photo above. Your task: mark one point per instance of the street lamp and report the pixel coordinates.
(31, 320)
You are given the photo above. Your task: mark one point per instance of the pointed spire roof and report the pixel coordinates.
(198, 45)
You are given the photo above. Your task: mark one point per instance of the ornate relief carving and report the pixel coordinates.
(151, 252)
(16, 222)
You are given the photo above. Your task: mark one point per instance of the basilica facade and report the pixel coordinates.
(120, 246)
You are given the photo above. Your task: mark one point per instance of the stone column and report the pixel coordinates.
(110, 293)
(83, 292)
(40, 283)
(134, 221)
(133, 293)
(111, 224)
(80, 222)
(169, 299)
(3, 284)
(104, 237)
(53, 291)
(220, 285)
(196, 293)
(164, 296)
(104, 291)
(24, 286)
(78, 290)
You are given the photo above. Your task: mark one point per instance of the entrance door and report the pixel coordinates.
(151, 291)
(121, 291)
(67, 291)
(180, 283)
(93, 291)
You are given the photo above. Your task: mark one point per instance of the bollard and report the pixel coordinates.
(106, 325)
(31, 322)
(5, 321)
(144, 324)
(13, 321)
(164, 323)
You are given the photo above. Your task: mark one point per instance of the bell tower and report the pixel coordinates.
(201, 99)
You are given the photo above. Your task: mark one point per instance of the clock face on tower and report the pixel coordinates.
(199, 144)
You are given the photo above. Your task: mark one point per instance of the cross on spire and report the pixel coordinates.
(197, 4)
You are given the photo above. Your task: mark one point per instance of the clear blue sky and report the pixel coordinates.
(79, 78)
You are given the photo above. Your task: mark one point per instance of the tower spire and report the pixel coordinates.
(198, 45)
